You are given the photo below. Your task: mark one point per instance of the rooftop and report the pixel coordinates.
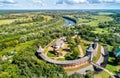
(40, 49)
(90, 48)
(58, 43)
(117, 52)
(96, 40)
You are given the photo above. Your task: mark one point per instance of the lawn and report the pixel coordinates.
(99, 19)
(61, 59)
(97, 56)
(84, 44)
(51, 54)
(77, 68)
(95, 20)
(102, 75)
(100, 31)
(111, 65)
(7, 21)
(47, 18)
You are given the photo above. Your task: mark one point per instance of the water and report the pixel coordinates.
(69, 22)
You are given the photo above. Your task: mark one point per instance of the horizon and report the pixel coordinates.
(54, 9)
(58, 4)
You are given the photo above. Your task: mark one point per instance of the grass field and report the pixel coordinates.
(102, 75)
(48, 29)
(84, 44)
(100, 31)
(95, 20)
(99, 19)
(7, 21)
(105, 13)
(111, 66)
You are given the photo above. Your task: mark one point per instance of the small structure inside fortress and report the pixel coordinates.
(117, 53)
(57, 45)
(60, 45)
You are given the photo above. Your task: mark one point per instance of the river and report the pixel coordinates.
(69, 22)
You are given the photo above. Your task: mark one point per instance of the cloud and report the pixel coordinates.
(106, 1)
(71, 1)
(59, 2)
(1, 5)
(37, 1)
(86, 1)
(93, 1)
(8, 1)
(118, 1)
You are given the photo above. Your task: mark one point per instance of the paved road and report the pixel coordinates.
(110, 73)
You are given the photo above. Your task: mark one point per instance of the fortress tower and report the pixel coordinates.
(89, 51)
(95, 43)
(40, 50)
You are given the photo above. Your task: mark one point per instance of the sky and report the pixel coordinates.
(59, 4)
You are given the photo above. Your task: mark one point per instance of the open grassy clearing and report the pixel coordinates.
(17, 48)
(84, 44)
(77, 68)
(49, 29)
(99, 19)
(102, 75)
(65, 50)
(100, 31)
(94, 20)
(105, 13)
(47, 18)
(6, 21)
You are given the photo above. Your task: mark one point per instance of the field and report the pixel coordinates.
(102, 75)
(22, 33)
(8, 21)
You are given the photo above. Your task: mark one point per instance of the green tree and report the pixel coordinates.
(89, 74)
(76, 75)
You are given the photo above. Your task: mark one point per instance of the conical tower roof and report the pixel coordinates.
(40, 49)
(90, 49)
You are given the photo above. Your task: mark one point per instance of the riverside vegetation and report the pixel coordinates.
(22, 32)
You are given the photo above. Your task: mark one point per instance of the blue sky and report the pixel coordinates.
(59, 4)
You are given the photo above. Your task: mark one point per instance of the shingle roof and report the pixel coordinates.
(90, 48)
(40, 49)
(58, 43)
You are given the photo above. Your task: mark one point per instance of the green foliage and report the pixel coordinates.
(26, 65)
(89, 74)
(75, 52)
(77, 40)
(73, 44)
(33, 26)
(76, 75)
(51, 54)
(118, 60)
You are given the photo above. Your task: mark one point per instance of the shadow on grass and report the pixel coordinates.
(112, 61)
(52, 52)
(111, 54)
(67, 50)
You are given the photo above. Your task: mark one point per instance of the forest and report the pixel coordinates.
(22, 32)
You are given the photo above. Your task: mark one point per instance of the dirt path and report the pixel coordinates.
(81, 51)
